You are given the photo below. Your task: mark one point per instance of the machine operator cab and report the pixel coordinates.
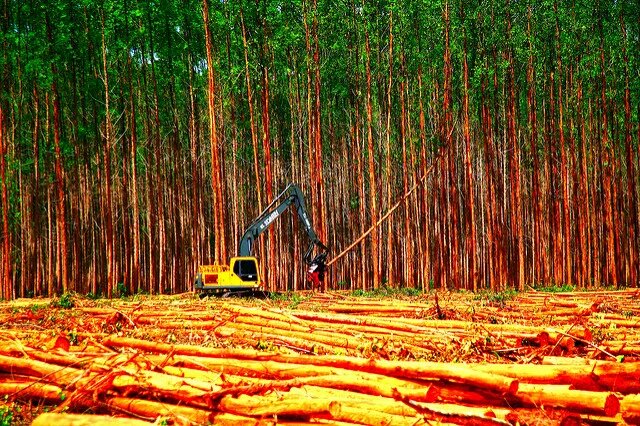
(241, 276)
(246, 268)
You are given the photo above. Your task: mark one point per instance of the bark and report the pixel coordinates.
(35, 198)
(373, 203)
(538, 272)
(84, 420)
(319, 184)
(388, 176)
(631, 172)
(7, 292)
(110, 249)
(471, 252)
(254, 137)
(450, 176)
(611, 274)
(517, 231)
(216, 166)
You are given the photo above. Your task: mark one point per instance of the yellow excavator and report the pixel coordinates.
(242, 277)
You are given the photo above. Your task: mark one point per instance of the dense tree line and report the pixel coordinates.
(139, 138)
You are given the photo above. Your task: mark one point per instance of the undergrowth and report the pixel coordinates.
(6, 415)
(555, 288)
(386, 291)
(64, 302)
(293, 298)
(498, 297)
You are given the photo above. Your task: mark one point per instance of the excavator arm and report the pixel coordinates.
(242, 277)
(290, 196)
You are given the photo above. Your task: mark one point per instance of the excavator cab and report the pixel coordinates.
(246, 269)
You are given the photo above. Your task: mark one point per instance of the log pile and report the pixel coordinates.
(330, 359)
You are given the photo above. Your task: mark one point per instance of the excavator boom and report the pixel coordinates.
(290, 196)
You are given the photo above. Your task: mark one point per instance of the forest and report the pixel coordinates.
(138, 139)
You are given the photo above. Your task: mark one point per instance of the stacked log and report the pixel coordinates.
(144, 380)
(331, 359)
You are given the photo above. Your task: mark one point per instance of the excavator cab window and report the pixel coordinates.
(247, 270)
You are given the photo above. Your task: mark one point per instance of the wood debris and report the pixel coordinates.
(331, 359)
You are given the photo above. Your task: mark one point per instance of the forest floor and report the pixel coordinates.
(386, 358)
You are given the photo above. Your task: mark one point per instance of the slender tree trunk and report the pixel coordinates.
(492, 233)
(266, 148)
(7, 285)
(372, 174)
(424, 223)
(536, 200)
(470, 183)
(254, 136)
(408, 258)
(35, 198)
(517, 230)
(321, 218)
(631, 172)
(111, 273)
(133, 154)
(448, 140)
(610, 259)
(387, 161)
(216, 166)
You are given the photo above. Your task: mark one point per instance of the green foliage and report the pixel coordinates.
(122, 291)
(36, 307)
(555, 288)
(73, 337)
(291, 297)
(6, 415)
(64, 302)
(388, 291)
(496, 297)
(93, 296)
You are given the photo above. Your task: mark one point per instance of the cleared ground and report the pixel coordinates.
(445, 358)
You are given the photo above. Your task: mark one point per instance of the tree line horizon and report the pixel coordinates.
(138, 139)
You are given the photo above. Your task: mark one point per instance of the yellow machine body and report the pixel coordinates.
(240, 276)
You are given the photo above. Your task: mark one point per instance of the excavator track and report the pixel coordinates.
(235, 293)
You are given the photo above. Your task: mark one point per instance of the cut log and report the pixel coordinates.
(54, 374)
(613, 377)
(29, 390)
(561, 396)
(273, 406)
(60, 419)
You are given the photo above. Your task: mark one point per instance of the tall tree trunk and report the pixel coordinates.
(448, 140)
(517, 231)
(216, 166)
(35, 198)
(266, 148)
(426, 270)
(408, 258)
(610, 259)
(373, 206)
(631, 172)
(254, 136)
(388, 174)
(536, 199)
(111, 260)
(321, 217)
(471, 252)
(7, 293)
